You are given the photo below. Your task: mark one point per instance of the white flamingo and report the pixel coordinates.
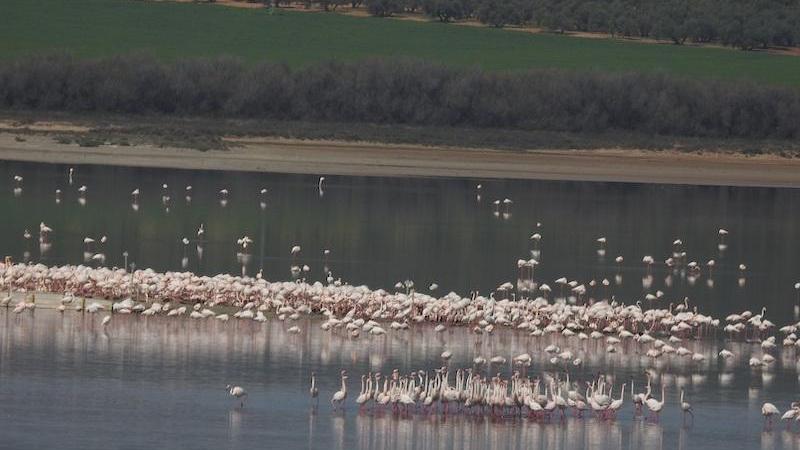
(313, 391)
(337, 401)
(238, 393)
(686, 407)
(656, 406)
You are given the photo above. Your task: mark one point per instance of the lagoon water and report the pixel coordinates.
(154, 382)
(159, 383)
(384, 230)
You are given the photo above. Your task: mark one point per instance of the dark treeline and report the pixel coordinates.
(402, 92)
(745, 24)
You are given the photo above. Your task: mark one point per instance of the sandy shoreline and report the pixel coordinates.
(371, 159)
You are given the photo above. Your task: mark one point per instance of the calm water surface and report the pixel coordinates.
(156, 382)
(160, 383)
(384, 230)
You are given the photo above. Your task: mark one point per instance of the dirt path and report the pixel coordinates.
(345, 158)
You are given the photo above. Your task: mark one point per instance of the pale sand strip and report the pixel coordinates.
(370, 159)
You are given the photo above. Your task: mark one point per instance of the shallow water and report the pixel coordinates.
(155, 382)
(159, 382)
(384, 230)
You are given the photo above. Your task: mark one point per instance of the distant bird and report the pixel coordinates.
(725, 354)
(314, 391)
(238, 393)
(791, 414)
(507, 202)
(106, 320)
(654, 405)
(341, 395)
(686, 407)
(768, 410)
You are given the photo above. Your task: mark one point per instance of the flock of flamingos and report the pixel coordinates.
(575, 311)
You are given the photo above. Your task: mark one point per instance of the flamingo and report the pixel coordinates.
(313, 391)
(337, 401)
(656, 406)
(238, 393)
(363, 395)
(686, 407)
(615, 405)
(768, 410)
(791, 414)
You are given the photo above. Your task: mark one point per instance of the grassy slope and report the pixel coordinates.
(169, 30)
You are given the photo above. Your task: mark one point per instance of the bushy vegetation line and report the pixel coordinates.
(402, 92)
(745, 24)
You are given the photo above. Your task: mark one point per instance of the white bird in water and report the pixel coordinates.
(686, 407)
(768, 410)
(106, 320)
(341, 395)
(654, 405)
(313, 391)
(238, 393)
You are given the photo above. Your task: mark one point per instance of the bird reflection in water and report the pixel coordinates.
(235, 424)
(389, 432)
(337, 427)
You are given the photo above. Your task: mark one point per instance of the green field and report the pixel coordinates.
(170, 30)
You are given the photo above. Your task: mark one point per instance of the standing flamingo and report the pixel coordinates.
(237, 392)
(686, 407)
(768, 410)
(656, 406)
(313, 391)
(337, 401)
